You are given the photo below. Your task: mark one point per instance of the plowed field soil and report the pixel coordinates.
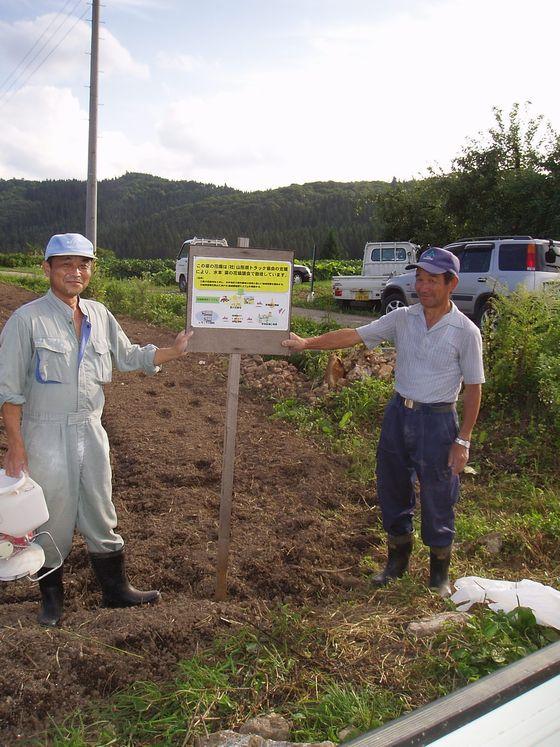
(299, 528)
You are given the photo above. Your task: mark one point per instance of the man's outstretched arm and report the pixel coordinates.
(338, 338)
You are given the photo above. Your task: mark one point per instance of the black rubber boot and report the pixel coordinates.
(52, 597)
(440, 557)
(117, 591)
(399, 549)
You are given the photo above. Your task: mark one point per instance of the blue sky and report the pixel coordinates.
(264, 93)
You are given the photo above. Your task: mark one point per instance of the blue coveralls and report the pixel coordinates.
(58, 379)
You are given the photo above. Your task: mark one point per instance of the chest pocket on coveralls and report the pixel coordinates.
(51, 366)
(102, 361)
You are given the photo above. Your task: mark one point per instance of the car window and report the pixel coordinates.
(513, 257)
(456, 249)
(400, 254)
(476, 258)
(388, 255)
(376, 255)
(517, 257)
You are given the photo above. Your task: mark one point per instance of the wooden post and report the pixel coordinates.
(224, 531)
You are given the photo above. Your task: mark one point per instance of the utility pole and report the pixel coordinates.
(91, 194)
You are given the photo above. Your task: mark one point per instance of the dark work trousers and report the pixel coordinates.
(415, 443)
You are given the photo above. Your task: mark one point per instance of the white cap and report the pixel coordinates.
(73, 244)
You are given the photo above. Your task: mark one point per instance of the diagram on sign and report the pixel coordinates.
(241, 293)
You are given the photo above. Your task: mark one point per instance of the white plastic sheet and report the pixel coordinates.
(505, 596)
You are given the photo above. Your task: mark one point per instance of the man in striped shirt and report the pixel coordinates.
(438, 350)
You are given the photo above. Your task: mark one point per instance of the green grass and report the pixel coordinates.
(488, 642)
(349, 419)
(299, 670)
(34, 282)
(246, 674)
(22, 270)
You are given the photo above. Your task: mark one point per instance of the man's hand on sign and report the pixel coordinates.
(182, 341)
(177, 350)
(295, 343)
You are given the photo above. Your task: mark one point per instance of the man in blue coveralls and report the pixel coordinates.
(438, 349)
(55, 355)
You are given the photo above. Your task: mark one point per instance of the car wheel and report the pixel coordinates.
(393, 301)
(183, 284)
(485, 316)
(298, 277)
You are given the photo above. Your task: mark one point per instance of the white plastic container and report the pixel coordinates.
(22, 505)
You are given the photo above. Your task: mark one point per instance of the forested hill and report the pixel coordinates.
(146, 216)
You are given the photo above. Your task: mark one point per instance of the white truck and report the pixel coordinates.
(182, 262)
(382, 261)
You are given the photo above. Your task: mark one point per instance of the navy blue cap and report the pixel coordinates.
(436, 261)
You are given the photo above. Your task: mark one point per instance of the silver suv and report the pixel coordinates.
(490, 265)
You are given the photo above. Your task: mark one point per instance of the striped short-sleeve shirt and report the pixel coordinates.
(431, 363)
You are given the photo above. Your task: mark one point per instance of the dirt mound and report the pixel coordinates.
(296, 518)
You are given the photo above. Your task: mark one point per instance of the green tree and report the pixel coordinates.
(331, 247)
(505, 181)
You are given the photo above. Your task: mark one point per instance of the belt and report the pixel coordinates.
(436, 406)
(71, 418)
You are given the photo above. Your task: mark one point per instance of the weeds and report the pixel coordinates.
(36, 283)
(497, 638)
(338, 708)
(344, 418)
(240, 676)
(522, 357)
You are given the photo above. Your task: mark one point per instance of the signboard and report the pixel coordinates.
(239, 300)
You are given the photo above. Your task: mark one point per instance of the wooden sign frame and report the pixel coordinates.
(236, 341)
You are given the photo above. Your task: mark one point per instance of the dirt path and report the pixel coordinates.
(295, 514)
(318, 315)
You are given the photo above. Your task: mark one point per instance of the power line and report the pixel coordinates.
(41, 49)
(12, 89)
(53, 19)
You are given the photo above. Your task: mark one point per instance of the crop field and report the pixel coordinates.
(303, 632)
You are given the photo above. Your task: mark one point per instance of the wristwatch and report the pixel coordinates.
(463, 442)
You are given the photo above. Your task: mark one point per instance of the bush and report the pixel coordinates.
(122, 269)
(326, 268)
(19, 259)
(163, 277)
(35, 283)
(136, 298)
(521, 357)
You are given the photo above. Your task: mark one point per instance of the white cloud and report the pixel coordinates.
(44, 135)
(374, 101)
(66, 63)
(367, 102)
(141, 4)
(185, 63)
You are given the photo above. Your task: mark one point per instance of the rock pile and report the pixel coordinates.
(277, 377)
(280, 378)
(262, 731)
(361, 363)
